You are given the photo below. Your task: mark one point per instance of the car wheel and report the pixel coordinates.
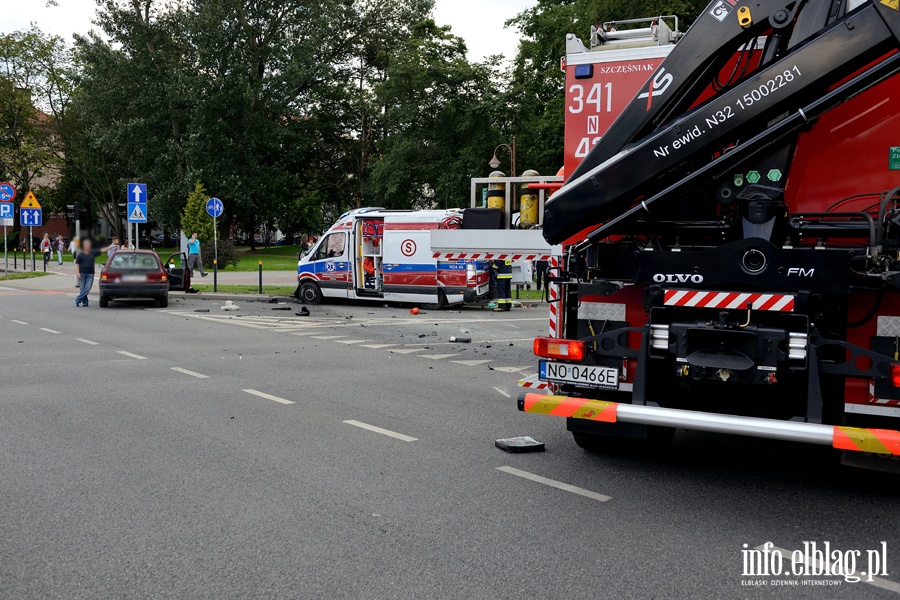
(440, 304)
(310, 293)
(163, 301)
(104, 301)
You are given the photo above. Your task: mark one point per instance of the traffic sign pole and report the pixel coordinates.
(215, 257)
(31, 243)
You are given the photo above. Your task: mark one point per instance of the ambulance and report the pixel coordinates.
(386, 255)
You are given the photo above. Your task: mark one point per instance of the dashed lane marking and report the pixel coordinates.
(49, 330)
(191, 373)
(502, 392)
(350, 342)
(269, 397)
(471, 363)
(511, 369)
(19, 322)
(436, 356)
(555, 484)
(405, 350)
(88, 342)
(328, 337)
(131, 355)
(386, 432)
(378, 346)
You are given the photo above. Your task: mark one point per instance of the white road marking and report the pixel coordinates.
(269, 397)
(878, 582)
(49, 330)
(406, 351)
(349, 342)
(436, 356)
(304, 334)
(19, 322)
(328, 337)
(556, 484)
(471, 363)
(130, 355)
(502, 392)
(191, 373)
(511, 369)
(88, 342)
(386, 432)
(378, 346)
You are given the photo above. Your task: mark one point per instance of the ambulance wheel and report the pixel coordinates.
(310, 293)
(441, 303)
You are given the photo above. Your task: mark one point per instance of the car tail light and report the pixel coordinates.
(470, 271)
(560, 349)
(104, 276)
(895, 376)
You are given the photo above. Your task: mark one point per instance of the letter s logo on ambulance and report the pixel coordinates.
(658, 85)
(408, 247)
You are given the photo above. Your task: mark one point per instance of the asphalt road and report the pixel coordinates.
(150, 453)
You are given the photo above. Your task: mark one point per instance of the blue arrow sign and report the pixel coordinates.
(137, 213)
(31, 217)
(215, 208)
(6, 210)
(137, 194)
(7, 192)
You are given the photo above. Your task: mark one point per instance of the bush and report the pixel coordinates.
(228, 255)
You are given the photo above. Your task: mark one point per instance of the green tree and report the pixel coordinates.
(194, 218)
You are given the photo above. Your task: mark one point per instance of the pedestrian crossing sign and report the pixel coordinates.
(137, 213)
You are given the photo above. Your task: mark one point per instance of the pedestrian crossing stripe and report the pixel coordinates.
(137, 214)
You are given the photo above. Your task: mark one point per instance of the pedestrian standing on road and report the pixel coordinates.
(113, 247)
(46, 249)
(73, 248)
(542, 268)
(85, 269)
(60, 246)
(194, 260)
(503, 269)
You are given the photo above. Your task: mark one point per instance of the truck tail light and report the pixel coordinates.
(560, 349)
(895, 376)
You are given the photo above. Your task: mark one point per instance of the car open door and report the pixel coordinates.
(178, 273)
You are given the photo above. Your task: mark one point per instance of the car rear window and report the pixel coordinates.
(134, 262)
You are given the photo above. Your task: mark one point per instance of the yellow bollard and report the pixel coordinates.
(528, 203)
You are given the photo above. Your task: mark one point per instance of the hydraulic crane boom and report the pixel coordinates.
(659, 145)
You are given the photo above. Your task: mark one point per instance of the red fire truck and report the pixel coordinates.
(741, 268)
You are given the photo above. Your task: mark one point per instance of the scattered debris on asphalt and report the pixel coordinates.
(524, 443)
(230, 306)
(201, 310)
(462, 340)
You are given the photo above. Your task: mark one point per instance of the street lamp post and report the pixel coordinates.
(495, 162)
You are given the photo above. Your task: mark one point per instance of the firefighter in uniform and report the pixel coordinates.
(504, 272)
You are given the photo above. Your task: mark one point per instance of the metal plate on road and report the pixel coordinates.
(524, 443)
(606, 378)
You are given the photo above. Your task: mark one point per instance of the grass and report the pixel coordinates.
(29, 275)
(272, 290)
(528, 294)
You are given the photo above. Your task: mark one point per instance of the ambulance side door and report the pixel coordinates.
(331, 263)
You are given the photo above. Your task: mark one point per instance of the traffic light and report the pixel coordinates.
(123, 211)
(72, 211)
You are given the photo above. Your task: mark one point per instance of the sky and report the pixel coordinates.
(479, 22)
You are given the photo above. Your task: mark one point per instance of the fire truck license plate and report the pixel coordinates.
(590, 376)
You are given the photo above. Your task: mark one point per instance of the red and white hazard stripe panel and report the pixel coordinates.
(488, 256)
(534, 383)
(883, 401)
(730, 300)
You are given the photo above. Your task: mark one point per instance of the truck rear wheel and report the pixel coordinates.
(310, 293)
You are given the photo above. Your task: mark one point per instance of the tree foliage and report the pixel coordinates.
(194, 218)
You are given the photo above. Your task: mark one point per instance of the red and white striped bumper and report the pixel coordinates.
(729, 300)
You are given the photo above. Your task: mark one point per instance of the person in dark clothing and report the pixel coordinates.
(503, 270)
(541, 267)
(85, 269)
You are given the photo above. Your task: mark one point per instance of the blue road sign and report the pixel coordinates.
(137, 194)
(215, 208)
(31, 217)
(137, 213)
(7, 192)
(7, 210)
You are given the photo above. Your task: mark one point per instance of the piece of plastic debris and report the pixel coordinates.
(524, 443)
(461, 340)
(231, 306)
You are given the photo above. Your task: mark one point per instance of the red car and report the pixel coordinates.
(141, 274)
